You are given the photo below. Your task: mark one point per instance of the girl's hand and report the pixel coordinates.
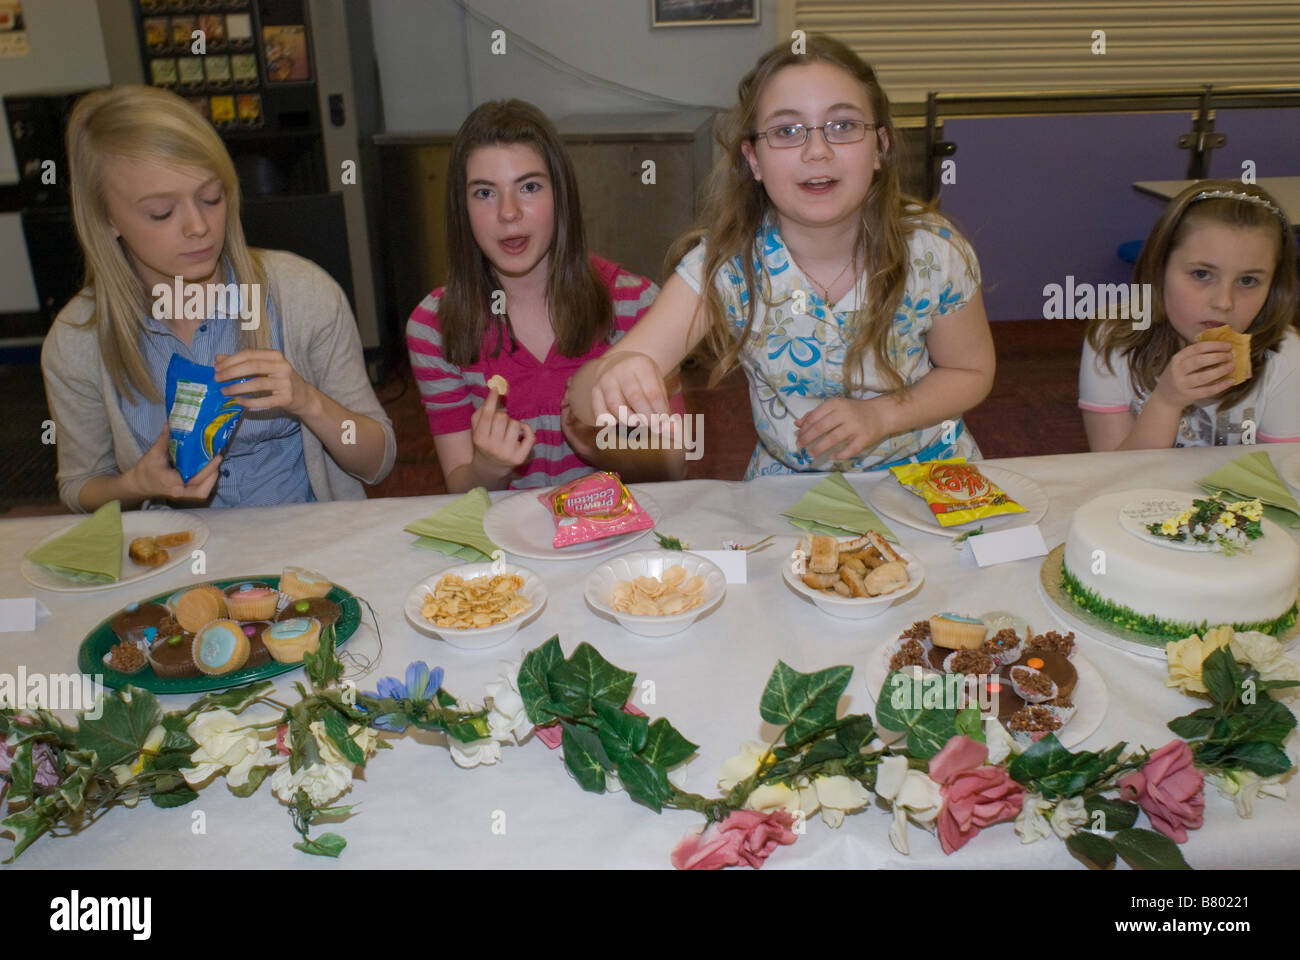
(580, 436)
(275, 382)
(153, 475)
(500, 444)
(1197, 371)
(842, 425)
(631, 381)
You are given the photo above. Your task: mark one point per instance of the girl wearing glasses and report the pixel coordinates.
(855, 311)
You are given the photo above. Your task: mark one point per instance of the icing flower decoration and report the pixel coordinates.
(745, 837)
(1169, 789)
(974, 795)
(912, 794)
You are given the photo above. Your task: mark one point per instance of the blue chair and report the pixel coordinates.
(1128, 252)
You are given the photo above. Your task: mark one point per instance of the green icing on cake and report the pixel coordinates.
(1129, 619)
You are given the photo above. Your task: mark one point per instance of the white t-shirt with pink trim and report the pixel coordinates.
(1273, 405)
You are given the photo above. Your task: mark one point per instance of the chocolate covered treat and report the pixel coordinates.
(171, 658)
(1058, 668)
(326, 611)
(257, 652)
(138, 621)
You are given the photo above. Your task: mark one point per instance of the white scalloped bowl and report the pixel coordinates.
(599, 588)
(858, 608)
(482, 637)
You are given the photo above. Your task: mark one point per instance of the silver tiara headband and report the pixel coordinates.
(1240, 195)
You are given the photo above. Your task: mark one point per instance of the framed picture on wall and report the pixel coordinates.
(703, 13)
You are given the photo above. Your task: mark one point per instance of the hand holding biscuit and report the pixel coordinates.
(1196, 372)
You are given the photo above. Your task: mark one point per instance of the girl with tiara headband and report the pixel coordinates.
(854, 311)
(525, 305)
(155, 200)
(1221, 261)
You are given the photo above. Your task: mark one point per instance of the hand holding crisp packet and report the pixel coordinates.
(457, 529)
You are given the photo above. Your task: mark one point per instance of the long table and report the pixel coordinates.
(416, 809)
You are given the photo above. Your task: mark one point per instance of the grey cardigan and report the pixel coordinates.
(320, 342)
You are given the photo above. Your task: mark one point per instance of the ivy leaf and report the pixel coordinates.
(621, 734)
(1042, 758)
(1259, 757)
(802, 702)
(255, 778)
(645, 783)
(857, 731)
(828, 749)
(585, 757)
(28, 826)
(21, 776)
(235, 700)
(1097, 853)
(326, 845)
(337, 731)
(174, 798)
(534, 687)
(122, 728)
(664, 746)
(587, 678)
(1221, 676)
(970, 723)
(73, 788)
(899, 707)
(1148, 850)
(1115, 814)
(1196, 724)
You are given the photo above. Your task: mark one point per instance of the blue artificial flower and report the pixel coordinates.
(421, 686)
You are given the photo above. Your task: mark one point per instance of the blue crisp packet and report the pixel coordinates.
(201, 419)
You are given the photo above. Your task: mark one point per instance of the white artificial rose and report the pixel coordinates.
(1265, 654)
(742, 766)
(839, 795)
(1068, 817)
(1244, 787)
(224, 740)
(913, 796)
(475, 752)
(778, 796)
(1000, 743)
(507, 719)
(363, 736)
(1031, 824)
(322, 781)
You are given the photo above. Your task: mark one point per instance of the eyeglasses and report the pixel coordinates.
(835, 131)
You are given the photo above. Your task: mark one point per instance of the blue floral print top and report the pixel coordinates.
(794, 356)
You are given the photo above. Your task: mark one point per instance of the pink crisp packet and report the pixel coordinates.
(592, 508)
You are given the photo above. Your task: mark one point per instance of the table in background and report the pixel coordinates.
(1286, 190)
(419, 810)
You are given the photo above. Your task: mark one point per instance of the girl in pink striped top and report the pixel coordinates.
(524, 303)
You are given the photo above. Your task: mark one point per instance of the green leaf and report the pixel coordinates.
(1221, 676)
(235, 700)
(856, 732)
(822, 750)
(21, 775)
(1196, 724)
(1056, 772)
(334, 814)
(326, 845)
(900, 707)
(323, 667)
(803, 702)
(621, 734)
(73, 788)
(645, 783)
(122, 728)
(970, 723)
(174, 798)
(1266, 720)
(534, 687)
(172, 760)
(664, 746)
(1276, 684)
(1043, 757)
(1259, 757)
(587, 678)
(1148, 850)
(585, 757)
(1096, 852)
(337, 730)
(1117, 814)
(255, 778)
(28, 826)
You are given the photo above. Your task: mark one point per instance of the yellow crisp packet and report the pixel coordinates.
(955, 490)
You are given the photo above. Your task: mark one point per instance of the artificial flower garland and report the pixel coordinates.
(949, 770)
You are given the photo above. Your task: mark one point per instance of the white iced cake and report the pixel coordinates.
(1116, 569)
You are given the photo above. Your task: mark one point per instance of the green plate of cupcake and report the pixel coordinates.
(219, 634)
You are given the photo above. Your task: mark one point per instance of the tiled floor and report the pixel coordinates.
(1030, 411)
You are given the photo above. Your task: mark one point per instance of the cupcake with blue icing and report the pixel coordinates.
(220, 647)
(290, 640)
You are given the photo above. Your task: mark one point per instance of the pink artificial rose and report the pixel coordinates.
(281, 733)
(1169, 789)
(744, 837)
(974, 796)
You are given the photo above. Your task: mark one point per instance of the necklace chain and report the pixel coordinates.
(826, 291)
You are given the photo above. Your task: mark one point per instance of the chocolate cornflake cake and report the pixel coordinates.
(1054, 642)
(1034, 719)
(910, 654)
(125, 657)
(920, 630)
(1033, 681)
(971, 662)
(1001, 642)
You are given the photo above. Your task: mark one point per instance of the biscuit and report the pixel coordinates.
(1241, 369)
(498, 383)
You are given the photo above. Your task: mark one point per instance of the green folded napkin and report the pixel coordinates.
(457, 529)
(90, 552)
(833, 507)
(1252, 476)
(1249, 476)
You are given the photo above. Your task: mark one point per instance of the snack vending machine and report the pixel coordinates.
(292, 88)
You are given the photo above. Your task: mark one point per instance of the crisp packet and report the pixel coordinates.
(202, 421)
(592, 508)
(955, 490)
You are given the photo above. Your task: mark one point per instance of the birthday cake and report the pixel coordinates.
(1131, 558)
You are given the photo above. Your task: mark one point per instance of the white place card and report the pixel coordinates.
(1003, 546)
(732, 563)
(21, 614)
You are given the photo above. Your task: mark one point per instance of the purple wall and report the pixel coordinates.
(1043, 197)
(1269, 137)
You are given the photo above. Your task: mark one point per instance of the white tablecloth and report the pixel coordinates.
(416, 809)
